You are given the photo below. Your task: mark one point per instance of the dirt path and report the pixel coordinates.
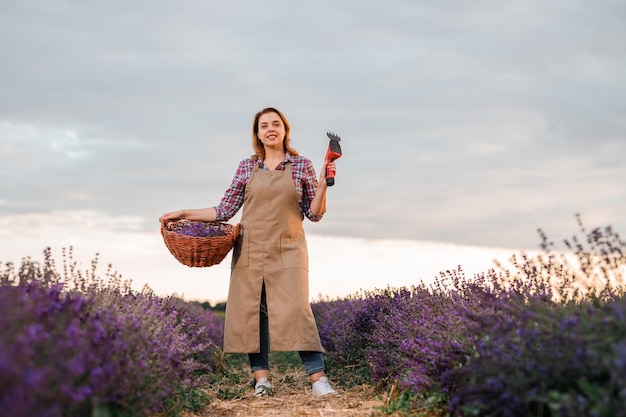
(232, 391)
(293, 404)
(292, 398)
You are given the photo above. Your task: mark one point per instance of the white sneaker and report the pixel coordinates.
(263, 388)
(322, 387)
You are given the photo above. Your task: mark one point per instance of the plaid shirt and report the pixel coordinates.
(304, 179)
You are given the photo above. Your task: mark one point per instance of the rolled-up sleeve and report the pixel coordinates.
(233, 197)
(309, 188)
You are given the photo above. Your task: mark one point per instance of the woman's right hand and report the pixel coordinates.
(207, 214)
(173, 215)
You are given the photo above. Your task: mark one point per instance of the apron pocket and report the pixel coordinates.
(241, 250)
(293, 251)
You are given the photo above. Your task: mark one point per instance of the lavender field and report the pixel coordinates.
(76, 344)
(547, 338)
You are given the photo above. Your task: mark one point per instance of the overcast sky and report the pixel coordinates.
(468, 122)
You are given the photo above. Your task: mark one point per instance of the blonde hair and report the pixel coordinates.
(257, 145)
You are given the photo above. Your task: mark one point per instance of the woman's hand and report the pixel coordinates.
(318, 205)
(202, 215)
(173, 215)
(330, 166)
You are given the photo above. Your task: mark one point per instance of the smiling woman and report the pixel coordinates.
(268, 298)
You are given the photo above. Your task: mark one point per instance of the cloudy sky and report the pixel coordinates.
(464, 123)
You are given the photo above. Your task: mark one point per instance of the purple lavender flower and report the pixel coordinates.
(101, 345)
(198, 229)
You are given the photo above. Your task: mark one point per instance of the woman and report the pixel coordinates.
(268, 298)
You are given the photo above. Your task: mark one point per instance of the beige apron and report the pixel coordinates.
(271, 248)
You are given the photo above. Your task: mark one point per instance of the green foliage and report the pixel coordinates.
(232, 379)
(407, 403)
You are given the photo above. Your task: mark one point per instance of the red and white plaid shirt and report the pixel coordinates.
(304, 179)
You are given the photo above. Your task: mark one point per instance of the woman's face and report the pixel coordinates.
(271, 130)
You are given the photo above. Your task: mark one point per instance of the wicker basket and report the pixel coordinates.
(199, 251)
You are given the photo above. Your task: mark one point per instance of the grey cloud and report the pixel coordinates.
(458, 118)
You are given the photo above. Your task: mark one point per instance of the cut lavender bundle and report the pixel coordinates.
(198, 229)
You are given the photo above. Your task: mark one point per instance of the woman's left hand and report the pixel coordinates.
(330, 166)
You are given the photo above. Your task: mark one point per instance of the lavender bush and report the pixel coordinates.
(546, 339)
(407, 336)
(559, 348)
(76, 344)
(344, 326)
(546, 359)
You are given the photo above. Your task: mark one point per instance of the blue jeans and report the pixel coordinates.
(313, 361)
